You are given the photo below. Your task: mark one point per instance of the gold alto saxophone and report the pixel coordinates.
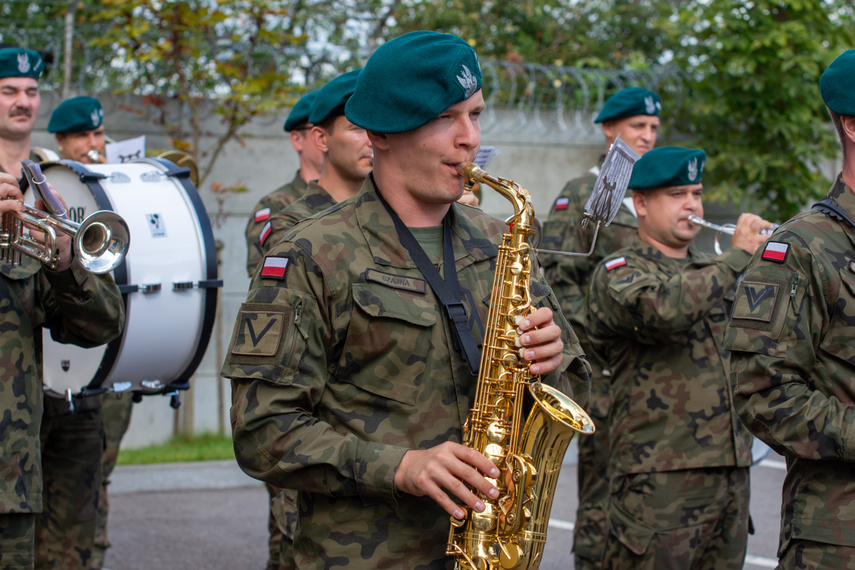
(511, 531)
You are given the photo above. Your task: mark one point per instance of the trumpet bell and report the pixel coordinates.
(101, 241)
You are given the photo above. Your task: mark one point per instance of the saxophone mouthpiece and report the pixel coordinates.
(470, 172)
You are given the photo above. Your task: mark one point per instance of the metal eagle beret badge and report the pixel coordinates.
(20, 62)
(667, 166)
(332, 97)
(630, 102)
(299, 114)
(411, 79)
(76, 115)
(837, 84)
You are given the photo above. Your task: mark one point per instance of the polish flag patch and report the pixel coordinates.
(561, 203)
(265, 233)
(775, 251)
(615, 263)
(274, 267)
(262, 214)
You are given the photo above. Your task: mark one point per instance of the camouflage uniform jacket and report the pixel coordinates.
(568, 276)
(793, 360)
(77, 307)
(671, 401)
(343, 364)
(313, 201)
(258, 226)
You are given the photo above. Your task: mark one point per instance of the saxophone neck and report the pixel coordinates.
(518, 196)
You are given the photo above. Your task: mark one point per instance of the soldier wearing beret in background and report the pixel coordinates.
(346, 381)
(77, 307)
(678, 469)
(19, 106)
(347, 152)
(347, 160)
(632, 113)
(298, 127)
(793, 357)
(78, 126)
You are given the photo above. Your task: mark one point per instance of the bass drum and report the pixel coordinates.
(168, 279)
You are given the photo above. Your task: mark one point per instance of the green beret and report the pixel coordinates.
(837, 84)
(630, 102)
(333, 96)
(667, 166)
(299, 114)
(76, 115)
(20, 62)
(411, 79)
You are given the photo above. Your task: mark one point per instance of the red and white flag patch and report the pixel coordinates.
(262, 214)
(775, 251)
(265, 233)
(561, 203)
(615, 263)
(274, 267)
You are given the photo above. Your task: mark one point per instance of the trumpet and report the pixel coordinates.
(100, 241)
(723, 229)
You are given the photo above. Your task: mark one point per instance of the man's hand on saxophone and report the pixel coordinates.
(459, 469)
(540, 339)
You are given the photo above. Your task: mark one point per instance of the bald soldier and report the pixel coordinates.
(311, 159)
(632, 114)
(348, 384)
(78, 124)
(793, 369)
(678, 467)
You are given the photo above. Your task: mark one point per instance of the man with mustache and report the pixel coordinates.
(678, 468)
(19, 106)
(350, 381)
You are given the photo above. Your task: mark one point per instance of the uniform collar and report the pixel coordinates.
(842, 195)
(469, 241)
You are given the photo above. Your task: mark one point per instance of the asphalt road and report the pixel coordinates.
(212, 516)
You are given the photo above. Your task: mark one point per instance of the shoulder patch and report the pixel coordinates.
(262, 214)
(614, 263)
(396, 281)
(561, 203)
(258, 333)
(274, 267)
(265, 233)
(756, 301)
(775, 251)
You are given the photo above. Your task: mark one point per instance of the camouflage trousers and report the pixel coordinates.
(283, 510)
(17, 533)
(809, 555)
(694, 519)
(72, 446)
(116, 410)
(591, 529)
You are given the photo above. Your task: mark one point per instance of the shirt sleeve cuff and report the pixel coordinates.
(376, 478)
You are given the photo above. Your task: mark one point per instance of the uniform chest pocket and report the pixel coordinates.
(837, 340)
(389, 340)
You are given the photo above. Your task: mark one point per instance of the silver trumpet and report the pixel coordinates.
(100, 242)
(722, 229)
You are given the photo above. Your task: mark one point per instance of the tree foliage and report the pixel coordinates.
(754, 103)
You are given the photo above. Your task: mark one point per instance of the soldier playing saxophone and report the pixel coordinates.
(351, 378)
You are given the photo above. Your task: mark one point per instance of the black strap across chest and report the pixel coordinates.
(446, 289)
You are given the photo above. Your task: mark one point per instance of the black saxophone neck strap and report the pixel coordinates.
(446, 289)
